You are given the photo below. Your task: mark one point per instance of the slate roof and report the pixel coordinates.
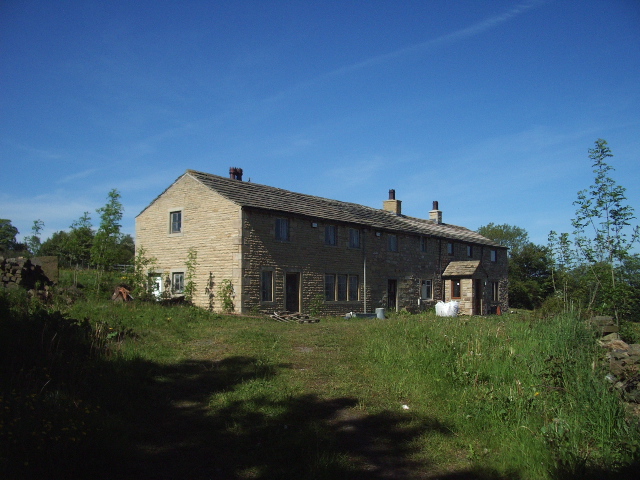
(462, 268)
(263, 197)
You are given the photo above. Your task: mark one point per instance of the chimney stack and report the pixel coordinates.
(235, 173)
(435, 214)
(392, 205)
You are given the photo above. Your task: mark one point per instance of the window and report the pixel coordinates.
(494, 255)
(331, 235)
(427, 290)
(330, 288)
(175, 220)
(340, 287)
(177, 282)
(495, 291)
(353, 287)
(423, 244)
(455, 288)
(354, 238)
(450, 248)
(393, 243)
(266, 286)
(282, 229)
(469, 250)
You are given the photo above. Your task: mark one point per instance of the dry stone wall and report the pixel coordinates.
(22, 272)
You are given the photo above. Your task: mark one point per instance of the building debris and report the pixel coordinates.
(293, 317)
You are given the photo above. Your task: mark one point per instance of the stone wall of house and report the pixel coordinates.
(415, 260)
(305, 253)
(210, 224)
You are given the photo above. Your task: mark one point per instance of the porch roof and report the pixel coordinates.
(464, 268)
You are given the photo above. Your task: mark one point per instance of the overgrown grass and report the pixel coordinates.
(109, 390)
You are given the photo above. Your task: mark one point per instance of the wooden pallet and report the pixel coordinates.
(293, 317)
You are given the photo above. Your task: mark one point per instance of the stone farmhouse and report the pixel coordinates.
(283, 250)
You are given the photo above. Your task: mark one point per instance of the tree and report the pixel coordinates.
(33, 241)
(55, 245)
(603, 239)
(530, 265)
(530, 276)
(104, 252)
(7, 236)
(510, 236)
(602, 215)
(80, 241)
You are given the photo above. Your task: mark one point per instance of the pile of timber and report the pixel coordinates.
(293, 317)
(21, 272)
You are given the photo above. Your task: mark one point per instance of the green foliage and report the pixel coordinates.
(316, 305)
(104, 251)
(138, 280)
(530, 265)
(190, 283)
(530, 282)
(8, 242)
(33, 241)
(226, 294)
(592, 268)
(510, 236)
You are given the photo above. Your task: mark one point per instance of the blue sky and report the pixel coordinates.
(488, 107)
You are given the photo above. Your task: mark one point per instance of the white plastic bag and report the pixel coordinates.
(448, 309)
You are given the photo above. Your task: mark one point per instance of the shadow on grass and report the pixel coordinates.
(173, 432)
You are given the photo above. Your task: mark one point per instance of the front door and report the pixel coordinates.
(392, 294)
(477, 297)
(292, 292)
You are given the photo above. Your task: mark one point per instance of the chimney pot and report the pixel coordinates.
(392, 194)
(235, 173)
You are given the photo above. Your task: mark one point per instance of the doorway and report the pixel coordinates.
(292, 292)
(392, 295)
(477, 297)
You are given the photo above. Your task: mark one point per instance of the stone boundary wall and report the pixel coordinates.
(22, 272)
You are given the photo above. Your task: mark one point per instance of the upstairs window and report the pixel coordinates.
(282, 229)
(393, 243)
(494, 255)
(175, 222)
(470, 251)
(331, 235)
(450, 248)
(354, 238)
(423, 244)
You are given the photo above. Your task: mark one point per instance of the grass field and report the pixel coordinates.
(108, 390)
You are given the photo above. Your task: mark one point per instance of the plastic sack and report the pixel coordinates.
(447, 309)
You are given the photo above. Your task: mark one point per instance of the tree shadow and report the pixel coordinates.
(173, 433)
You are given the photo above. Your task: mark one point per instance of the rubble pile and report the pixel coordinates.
(623, 358)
